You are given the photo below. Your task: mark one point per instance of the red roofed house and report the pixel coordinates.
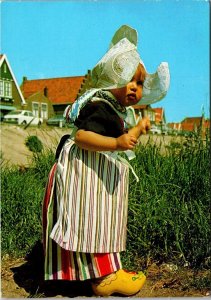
(47, 97)
(192, 124)
(160, 117)
(196, 124)
(143, 111)
(175, 126)
(156, 115)
(11, 97)
(207, 126)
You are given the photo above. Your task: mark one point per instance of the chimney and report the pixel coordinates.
(24, 79)
(46, 92)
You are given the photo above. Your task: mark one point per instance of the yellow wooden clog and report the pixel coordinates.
(121, 282)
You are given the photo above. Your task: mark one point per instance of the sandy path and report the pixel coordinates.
(13, 148)
(14, 151)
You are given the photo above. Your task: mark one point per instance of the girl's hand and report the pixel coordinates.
(144, 125)
(96, 142)
(126, 142)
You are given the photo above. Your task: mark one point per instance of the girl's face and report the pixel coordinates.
(132, 92)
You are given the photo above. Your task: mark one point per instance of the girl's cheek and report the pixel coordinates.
(139, 96)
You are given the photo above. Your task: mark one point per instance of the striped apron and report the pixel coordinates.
(84, 214)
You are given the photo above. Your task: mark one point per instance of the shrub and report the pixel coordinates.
(21, 210)
(34, 144)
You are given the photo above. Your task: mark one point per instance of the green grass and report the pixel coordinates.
(168, 218)
(22, 193)
(169, 208)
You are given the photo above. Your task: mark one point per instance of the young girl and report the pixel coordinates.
(86, 200)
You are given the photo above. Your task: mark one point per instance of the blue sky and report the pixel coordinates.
(48, 39)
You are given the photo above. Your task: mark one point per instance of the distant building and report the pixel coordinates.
(192, 124)
(195, 124)
(175, 126)
(11, 97)
(49, 97)
(144, 111)
(160, 117)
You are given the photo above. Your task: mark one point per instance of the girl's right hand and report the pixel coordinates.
(144, 125)
(126, 141)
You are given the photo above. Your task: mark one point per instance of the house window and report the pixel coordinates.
(35, 109)
(44, 110)
(1, 88)
(8, 89)
(5, 68)
(151, 116)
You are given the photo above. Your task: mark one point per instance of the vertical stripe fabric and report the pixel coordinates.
(91, 190)
(61, 264)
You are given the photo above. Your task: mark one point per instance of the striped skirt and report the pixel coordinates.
(65, 264)
(61, 264)
(91, 191)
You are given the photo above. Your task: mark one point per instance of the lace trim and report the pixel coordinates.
(108, 96)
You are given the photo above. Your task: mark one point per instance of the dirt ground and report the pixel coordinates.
(23, 277)
(14, 151)
(13, 148)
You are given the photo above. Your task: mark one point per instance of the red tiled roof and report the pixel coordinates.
(158, 110)
(196, 120)
(188, 126)
(191, 124)
(158, 114)
(207, 123)
(140, 106)
(174, 125)
(60, 90)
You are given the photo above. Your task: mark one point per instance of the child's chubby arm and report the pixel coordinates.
(141, 128)
(90, 140)
(96, 142)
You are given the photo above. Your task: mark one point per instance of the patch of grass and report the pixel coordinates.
(42, 163)
(21, 204)
(168, 217)
(34, 144)
(168, 208)
(200, 283)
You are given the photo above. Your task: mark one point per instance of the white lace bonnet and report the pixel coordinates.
(117, 68)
